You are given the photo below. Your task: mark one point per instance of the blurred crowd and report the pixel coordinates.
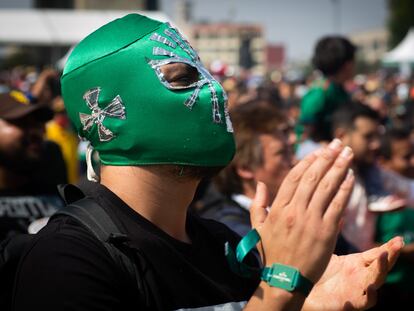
(276, 121)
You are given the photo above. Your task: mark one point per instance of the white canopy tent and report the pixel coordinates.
(56, 27)
(402, 55)
(403, 52)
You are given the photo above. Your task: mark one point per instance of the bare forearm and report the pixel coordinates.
(274, 299)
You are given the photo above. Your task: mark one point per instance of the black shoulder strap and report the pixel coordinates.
(88, 212)
(91, 215)
(70, 193)
(94, 217)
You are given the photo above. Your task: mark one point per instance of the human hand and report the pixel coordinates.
(301, 227)
(350, 282)
(387, 204)
(40, 87)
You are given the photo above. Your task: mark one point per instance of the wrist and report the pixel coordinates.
(287, 278)
(274, 298)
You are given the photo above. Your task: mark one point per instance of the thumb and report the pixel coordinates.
(258, 212)
(392, 248)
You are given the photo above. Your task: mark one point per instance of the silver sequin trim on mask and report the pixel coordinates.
(194, 61)
(227, 115)
(163, 40)
(162, 52)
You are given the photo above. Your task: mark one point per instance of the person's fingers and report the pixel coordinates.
(258, 212)
(335, 210)
(292, 179)
(388, 203)
(334, 178)
(377, 271)
(380, 270)
(392, 248)
(313, 175)
(258, 208)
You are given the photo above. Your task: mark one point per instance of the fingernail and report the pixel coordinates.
(398, 241)
(346, 153)
(350, 173)
(335, 144)
(402, 242)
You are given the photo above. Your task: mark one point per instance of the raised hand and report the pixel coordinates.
(301, 227)
(350, 282)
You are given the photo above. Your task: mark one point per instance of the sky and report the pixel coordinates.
(295, 23)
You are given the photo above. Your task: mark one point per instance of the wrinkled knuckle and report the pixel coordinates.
(294, 176)
(340, 163)
(311, 177)
(325, 185)
(290, 221)
(346, 187)
(337, 206)
(327, 155)
(307, 161)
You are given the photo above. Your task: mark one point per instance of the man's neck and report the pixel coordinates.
(338, 79)
(160, 199)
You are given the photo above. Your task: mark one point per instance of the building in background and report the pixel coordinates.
(372, 44)
(275, 57)
(147, 5)
(238, 46)
(43, 33)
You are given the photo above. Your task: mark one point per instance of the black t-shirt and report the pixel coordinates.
(18, 211)
(67, 268)
(38, 197)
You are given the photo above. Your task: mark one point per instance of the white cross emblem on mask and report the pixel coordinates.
(115, 109)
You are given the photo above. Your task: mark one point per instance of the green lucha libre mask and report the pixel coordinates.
(118, 98)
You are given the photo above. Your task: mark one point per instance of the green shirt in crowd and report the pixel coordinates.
(390, 225)
(317, 107)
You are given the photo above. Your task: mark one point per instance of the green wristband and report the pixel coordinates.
(286, 277)
(278, 275)
(235, 259)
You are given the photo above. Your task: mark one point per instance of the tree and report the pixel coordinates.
(401, 18)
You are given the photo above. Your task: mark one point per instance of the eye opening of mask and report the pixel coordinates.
(180, 75)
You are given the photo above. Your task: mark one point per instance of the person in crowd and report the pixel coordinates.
(30, 167)
(138, 92)
(395, 154)
(46, 89)
(60, 131)
(358, 126)
(263, 154)
(334, 57)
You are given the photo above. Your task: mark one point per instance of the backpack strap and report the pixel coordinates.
(98, 222)
(70, 193)
(92, 216)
